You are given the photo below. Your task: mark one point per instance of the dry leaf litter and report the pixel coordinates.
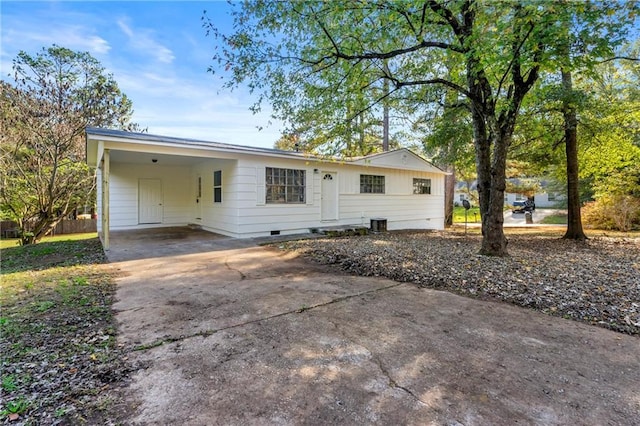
(597, 281)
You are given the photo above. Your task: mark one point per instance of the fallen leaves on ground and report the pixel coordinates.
(597, 281)
(60, 360)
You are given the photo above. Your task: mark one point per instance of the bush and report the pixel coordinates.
(612, 212)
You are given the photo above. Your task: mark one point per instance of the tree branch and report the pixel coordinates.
(400, 84)
(616, 58)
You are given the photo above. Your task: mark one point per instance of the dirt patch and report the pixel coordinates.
(258, 336)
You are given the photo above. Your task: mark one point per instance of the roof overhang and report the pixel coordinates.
(148, 146)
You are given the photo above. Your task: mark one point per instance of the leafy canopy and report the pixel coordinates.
(56, 94)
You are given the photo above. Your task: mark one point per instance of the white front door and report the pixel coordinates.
(149, 201)
(329, 196)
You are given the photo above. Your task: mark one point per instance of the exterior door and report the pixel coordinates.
(149, 201)
(329, 196)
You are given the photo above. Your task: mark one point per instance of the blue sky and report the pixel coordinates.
(158, 54)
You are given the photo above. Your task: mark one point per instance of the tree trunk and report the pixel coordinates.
(494, 242)
(449, 193)
(574, 221)
(385, 119)
(491, 185)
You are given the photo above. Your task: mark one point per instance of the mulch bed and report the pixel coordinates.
(597, 281)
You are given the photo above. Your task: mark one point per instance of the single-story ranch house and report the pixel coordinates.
(240, 191)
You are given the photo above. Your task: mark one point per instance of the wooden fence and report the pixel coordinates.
(67, 226)
(79, 226)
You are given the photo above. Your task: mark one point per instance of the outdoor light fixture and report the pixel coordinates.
(154, 160)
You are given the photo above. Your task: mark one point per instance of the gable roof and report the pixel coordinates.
(398, 159)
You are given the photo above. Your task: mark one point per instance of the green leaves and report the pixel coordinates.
(57, 94)
(329, 70)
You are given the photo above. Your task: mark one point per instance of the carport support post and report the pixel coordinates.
(105, 199)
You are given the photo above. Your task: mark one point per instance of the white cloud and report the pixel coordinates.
(142, 40)
(99, 45)
(165, 78)
(73, 37)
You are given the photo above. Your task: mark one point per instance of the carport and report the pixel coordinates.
(157, 184)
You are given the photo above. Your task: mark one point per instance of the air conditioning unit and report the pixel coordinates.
(378, 225)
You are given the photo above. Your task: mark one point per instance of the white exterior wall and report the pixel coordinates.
(243, 211)
(123, 194)
(399, 205)
(221, 217)
(401, 208)
(256, 217)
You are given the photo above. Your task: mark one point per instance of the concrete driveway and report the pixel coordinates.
(229, 333)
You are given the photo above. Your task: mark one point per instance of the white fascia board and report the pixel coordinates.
(195, 149)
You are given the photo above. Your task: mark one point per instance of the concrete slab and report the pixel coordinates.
(167, 241)
(257, 336)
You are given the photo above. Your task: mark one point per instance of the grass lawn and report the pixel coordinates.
(555, 219)
(473, 215)
(13, 242)
(59, 356)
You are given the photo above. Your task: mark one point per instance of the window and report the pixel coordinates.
(551, 196)
(285, 185)
(217, 186)
(421, 186)
(520, 197)
(371, 184)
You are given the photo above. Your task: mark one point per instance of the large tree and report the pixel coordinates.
(330, 58)
(56, 95)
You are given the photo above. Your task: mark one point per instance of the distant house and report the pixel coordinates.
(546, 197)
(240, 191)
(541, 199)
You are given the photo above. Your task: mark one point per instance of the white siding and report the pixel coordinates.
(256, 218)
(124, 193)
(399, 205)
(243, 211)
(401, 208)
(218, 217)
(99, 199)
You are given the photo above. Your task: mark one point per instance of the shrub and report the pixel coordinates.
(613, 212)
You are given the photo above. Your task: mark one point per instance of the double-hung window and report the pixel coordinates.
(286, 186)
(421, 186)
(371, 184)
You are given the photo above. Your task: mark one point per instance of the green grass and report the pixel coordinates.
(51, 252)
(56, 316)
(473, 215)
(556, 219)
(14, 242)
(9, 242)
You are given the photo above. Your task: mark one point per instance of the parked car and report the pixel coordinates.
(523, 206)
